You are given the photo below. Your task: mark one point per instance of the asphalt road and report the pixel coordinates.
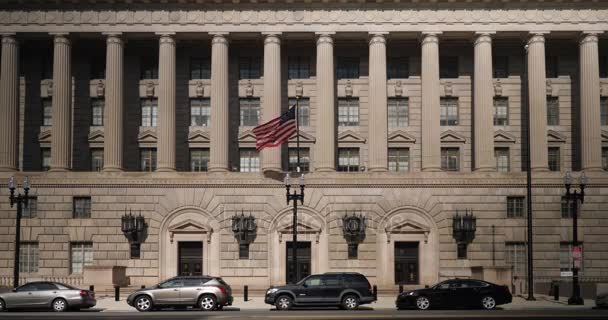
(588, 314)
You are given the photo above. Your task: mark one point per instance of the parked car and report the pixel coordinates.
(205, 292)
(47, 295)
(601, 300)
(344, 290)
(456, 293)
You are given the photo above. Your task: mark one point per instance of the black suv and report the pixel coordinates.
(346, 290)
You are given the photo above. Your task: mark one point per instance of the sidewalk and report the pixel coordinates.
(107, 304)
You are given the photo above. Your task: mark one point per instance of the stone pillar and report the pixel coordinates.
(591, 132)
(325, 153)
(9, 104)
(483, 105)
(378, 109)
(537, 97)
(61, 132)
(114, 109)
(218, 161)
(166, 104)
(431, 144)
(271, 108)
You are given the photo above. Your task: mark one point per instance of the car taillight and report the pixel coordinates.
(83, 293)
(222, 289)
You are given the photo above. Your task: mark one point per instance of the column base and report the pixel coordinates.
(431, 169)
(377, 169)
(325, 169)
(485, 169)
(540, 169)
(218, 170)
(59, 169)
(165, 169)
(593, 169)
(112, 169)
(8, 169)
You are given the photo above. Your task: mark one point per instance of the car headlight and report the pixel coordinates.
(272, 290)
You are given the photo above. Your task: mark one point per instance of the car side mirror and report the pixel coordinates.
(426, 286)
(14, 290)
(304, 285)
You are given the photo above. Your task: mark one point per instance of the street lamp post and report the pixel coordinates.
(295, 197)
(21, 201)
(575, 197)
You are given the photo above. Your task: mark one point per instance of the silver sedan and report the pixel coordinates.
(47, 295)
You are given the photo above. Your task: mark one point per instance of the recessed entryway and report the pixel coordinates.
(406, 262)
(303, 253)
(190, 258)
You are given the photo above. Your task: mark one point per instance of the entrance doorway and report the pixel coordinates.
(190, 258)
(303, 253)
(406, 262)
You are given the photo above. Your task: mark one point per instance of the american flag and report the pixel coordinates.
(276, 131)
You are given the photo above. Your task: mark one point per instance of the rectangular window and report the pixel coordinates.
(449, 111)
(47, 109)
(149, 112)
(200, 112)
(448, 67)
(398, 159)
(149, 68)
(348, 159)
(604, 111)
(97, 106)
(303, 110)
(450, 159)
(348, 112)
(501, 111)
(605, 158)
(348, 68)
(500, 66)
(398, 112)
(31, 211)
(244, 251)
(515, 207)
(552, 66)
(398, 67)
(304, 160)
(552, 111)
(502, 159)
(200, 68)
(250, 111)
(250, 67)
(567, 208)
(46, 158)
(566, 262)
(298, 67)
(554, 159)
(96, 159)
(81, 255)
(249, 160)
(516, 255)
(28, 257)
(199, 160)
(81, 208)
(353, 250)
(147, 158)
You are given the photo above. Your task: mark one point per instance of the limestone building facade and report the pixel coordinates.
(410, 111)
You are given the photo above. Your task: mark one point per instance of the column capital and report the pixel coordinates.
(219, 38)
(483, 37)
(61, 37)
(9, 38)
(537, 37)
(430, 37)
(325, 37)
(589, 36)
(272, 38)
(377, 37)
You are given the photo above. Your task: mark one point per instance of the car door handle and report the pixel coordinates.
(175, 289)
(198, 289)
(29, 293)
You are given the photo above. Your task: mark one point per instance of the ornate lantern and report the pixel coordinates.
(245, 231)
(353, 228)
(463, 231)
(135, 230)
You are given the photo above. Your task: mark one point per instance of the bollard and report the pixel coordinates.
(400, 288)
(375, 292)
(556, 292)
(92, 288)
(143, 287)
(116, 293)
(246, 294)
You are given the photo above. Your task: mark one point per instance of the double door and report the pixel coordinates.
(303, 253)
(406, 262)
(190, 259)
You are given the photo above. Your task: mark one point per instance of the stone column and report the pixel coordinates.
(591, 132)
(325, 153)
(537, 97)
(218, 161)
(166, 104)
(9, 104)
(271, 108)
(114, 109)
(61, 132)
(431, 144)
(378, 109)
(483, 105)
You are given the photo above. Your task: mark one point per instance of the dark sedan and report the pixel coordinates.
(456, 293)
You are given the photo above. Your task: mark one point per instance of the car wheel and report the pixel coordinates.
(59, 305)
(143, 303)
(284, 303)
(2, 305)
(207, 303)
(423, 303)
(350, 302)
(488, 302)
